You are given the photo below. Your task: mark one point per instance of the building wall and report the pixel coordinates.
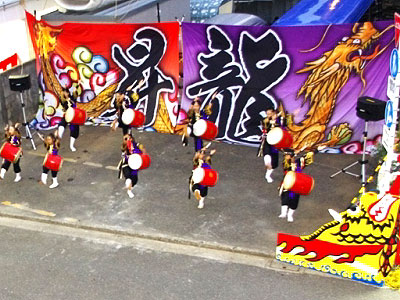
(12, 25)
(10, 103)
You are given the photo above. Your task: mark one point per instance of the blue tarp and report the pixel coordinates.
(236, 19)
(323, 12)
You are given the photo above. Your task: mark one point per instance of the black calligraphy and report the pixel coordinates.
(242, 84)
(140, 62)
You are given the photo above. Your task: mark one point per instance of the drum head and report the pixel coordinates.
(289, 180)
(198, 175)
(200, 127)
(127, 116)
(135, 161)
(69, 115)
(274, 136)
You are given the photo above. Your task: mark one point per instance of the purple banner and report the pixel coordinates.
(312, 74)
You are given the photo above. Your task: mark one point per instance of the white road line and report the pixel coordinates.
(112, 168)
(97, 165)
(70, 160)
(43, 155)
(35, 153)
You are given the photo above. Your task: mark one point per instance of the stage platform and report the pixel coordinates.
(240, 213)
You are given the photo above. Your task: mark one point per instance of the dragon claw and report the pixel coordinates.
(339, 134)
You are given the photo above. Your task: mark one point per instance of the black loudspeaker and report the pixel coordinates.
(20, 83)
(370, 109)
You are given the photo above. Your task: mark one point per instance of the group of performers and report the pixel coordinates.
(202, 155)
(123, 101)
(201, 159)
(292, 161)
(13, 140)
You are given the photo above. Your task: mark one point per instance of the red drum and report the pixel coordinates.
(298, 182)
(208, 177)
(10, 152)
(53, 162)
(139, 161)
(279, 138)
(133, 117)
(75, 116)
(205, 129)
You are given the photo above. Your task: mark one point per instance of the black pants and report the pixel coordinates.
(271, 151)
(125, 128)
(201, 188)
(7, 164)
(53, 173)
(128, 175)
(290, 199)
(73, 129)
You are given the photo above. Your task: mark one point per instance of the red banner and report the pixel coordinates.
(9, 62)
(98, 60)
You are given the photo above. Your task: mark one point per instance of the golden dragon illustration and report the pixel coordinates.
(329, 74)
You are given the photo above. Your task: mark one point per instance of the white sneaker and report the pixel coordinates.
(130, 193)
(290, 215)
(201, 203)
(17, 177)
(2, 173)
(71, 144)
(284, 210)
(43, 179)
(54, 184)
(268, 177)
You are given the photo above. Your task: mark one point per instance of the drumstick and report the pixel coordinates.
(281, 190)
(129, 88)
(216, 94)
(197, 96)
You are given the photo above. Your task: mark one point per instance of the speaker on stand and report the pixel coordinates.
(368, 109)
(21, 83)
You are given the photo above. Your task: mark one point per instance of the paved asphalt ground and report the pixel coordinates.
(240, 213)
(47, 262)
